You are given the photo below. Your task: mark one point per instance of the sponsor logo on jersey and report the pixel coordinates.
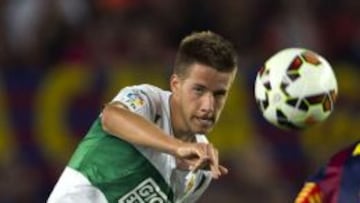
(134, 100)
(146, 192)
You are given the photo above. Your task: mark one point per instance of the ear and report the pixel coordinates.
(174, 82)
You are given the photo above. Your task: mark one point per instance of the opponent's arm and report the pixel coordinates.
(310, 193)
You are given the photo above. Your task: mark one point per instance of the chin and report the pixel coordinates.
(203, 131)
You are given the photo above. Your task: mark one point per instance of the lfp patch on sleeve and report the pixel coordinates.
(134, 100)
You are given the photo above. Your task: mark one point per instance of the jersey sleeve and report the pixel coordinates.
(140, 99)
(310, 193)
(337, 180)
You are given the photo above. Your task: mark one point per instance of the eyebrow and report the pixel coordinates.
(217, 92)
(200, 85)
(220, 92)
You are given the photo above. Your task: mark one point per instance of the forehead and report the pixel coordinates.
(200, 74)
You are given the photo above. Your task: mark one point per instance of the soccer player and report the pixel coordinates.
(149, 144)
(337, 182)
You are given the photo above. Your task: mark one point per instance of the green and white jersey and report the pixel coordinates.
(105, 168)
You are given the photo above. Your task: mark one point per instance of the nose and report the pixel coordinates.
(207, 103)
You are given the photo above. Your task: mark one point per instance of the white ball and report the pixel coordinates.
(296, 88)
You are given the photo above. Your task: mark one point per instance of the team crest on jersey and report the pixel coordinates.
(146, 192)
(190, 182)
(134, 100)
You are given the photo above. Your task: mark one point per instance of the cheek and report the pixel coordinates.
(222, 102)
(220, 105)
(187, 96)
(190, 103)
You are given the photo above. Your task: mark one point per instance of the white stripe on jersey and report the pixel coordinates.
(73, 186)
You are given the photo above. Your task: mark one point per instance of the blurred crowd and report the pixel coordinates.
(44, 32)
(38, 36)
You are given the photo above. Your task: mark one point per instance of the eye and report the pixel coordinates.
(219, 94)
(198, 90)
(219, 97)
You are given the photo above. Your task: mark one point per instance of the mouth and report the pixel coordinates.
(205, 121)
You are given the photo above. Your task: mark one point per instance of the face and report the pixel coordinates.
(198, 98)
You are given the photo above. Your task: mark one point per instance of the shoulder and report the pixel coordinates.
(356, 149)
(143, 96)
(344, 154)
(146, 89)
(141, 91)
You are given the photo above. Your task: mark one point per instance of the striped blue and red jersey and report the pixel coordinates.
(337, 182)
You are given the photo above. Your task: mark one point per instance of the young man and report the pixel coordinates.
(149, 145)
(337, 182)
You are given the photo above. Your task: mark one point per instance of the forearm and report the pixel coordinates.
(122, 123)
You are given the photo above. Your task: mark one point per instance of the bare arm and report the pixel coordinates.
(119, 121)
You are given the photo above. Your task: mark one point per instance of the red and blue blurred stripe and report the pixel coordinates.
(337, 182)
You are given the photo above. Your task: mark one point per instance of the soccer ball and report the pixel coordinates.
(296, 88)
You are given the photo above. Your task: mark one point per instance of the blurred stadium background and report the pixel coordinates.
(61, 60)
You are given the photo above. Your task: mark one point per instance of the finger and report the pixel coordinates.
(190, 150)
(223, 170)
(214, 158)
(198, 156)
(200, 163)
(184, 164)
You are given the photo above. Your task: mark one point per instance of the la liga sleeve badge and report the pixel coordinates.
(134, 101)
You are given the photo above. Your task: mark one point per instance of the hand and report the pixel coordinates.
(194, 156)
(216, 169)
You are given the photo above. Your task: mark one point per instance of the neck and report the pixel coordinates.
(185, 136)
(178, 124)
